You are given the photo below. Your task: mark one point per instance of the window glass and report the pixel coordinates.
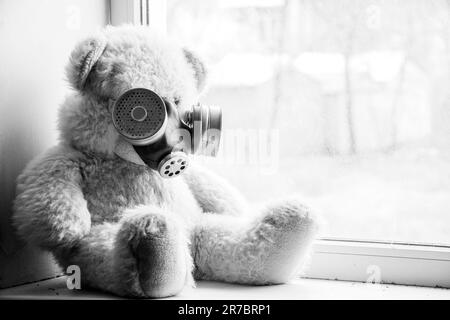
(344, 103)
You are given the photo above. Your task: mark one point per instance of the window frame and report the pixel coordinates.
(137, 12)
(332, 259)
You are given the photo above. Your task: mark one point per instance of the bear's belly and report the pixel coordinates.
(112, 187)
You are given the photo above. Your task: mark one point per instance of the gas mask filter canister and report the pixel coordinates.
(160, 135)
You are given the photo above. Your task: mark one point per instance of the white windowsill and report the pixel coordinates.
(303, 289)
(406, 264)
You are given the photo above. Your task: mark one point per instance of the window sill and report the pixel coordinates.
(303, 289)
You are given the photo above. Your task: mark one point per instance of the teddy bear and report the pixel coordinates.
(132, 232)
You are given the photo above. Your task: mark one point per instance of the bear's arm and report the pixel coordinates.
(213, 193)
(50, 209)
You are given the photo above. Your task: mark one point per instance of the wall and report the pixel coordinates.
(35, 40)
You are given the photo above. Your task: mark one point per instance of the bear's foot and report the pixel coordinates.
(285, 234)
(161, 263)
(270, 250)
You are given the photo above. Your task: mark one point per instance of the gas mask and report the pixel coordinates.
(161, 135)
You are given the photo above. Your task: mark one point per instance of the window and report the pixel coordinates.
(345, 103)
(358, 94)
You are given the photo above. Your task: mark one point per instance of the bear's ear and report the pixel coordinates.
(198, 66)
(82, 60)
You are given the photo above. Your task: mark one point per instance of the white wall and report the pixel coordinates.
(35, 40)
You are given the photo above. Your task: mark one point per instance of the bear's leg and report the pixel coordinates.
(267, 250)
(144, 255)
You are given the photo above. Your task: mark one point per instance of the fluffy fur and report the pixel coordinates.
(132, 232)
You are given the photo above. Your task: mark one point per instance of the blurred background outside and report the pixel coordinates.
(348, 102)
